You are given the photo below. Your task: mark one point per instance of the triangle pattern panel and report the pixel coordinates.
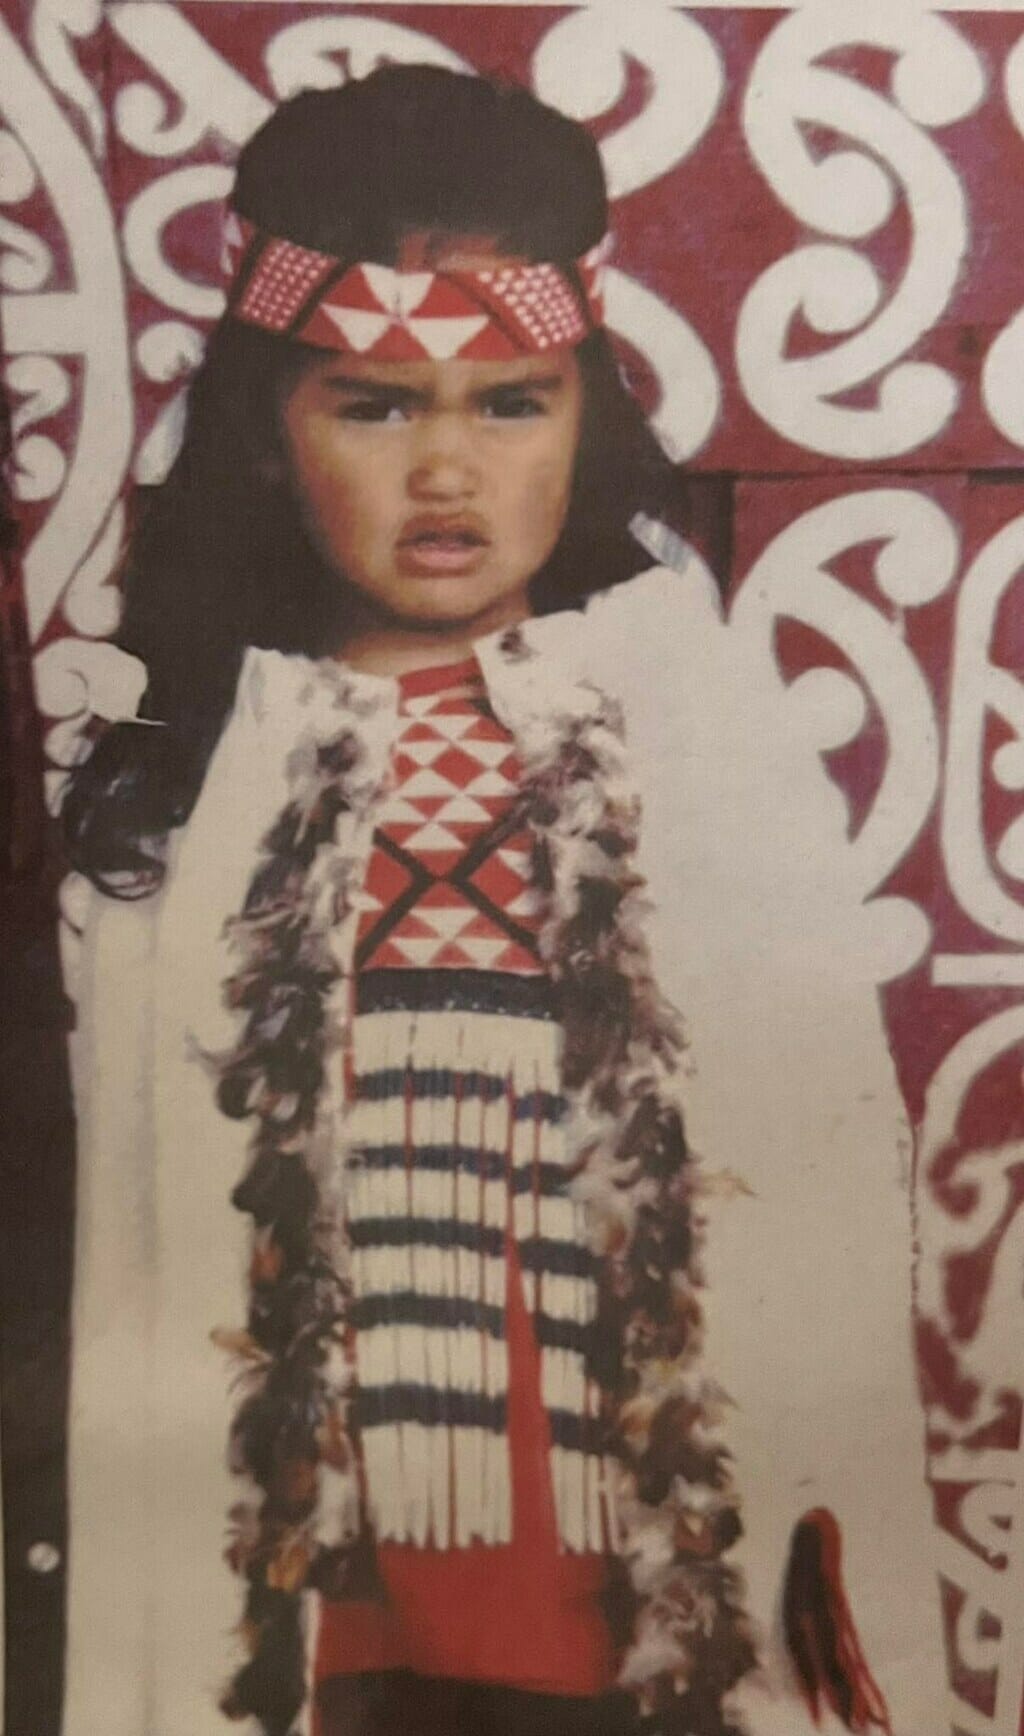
(449, 874)
(399, 314)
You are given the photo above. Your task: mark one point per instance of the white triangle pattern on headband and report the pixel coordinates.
(511, 308)
(359, 328)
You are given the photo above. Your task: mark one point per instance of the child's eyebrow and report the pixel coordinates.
(395, 391)
(374, 388)
(525, 383)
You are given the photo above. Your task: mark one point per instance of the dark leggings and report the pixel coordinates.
(401, 1704)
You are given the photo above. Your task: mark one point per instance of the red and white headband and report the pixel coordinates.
(397, 316)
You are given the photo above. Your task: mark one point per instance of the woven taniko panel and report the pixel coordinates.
(287, 280)
(818, 287)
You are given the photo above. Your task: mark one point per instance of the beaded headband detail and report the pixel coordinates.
(389, 315)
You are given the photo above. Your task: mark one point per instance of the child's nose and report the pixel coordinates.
(444, 464)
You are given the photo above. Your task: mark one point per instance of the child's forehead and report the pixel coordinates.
(427, 374)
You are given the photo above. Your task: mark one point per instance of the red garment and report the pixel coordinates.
(525, 1614)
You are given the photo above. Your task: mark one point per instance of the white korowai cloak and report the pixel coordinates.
(759, 937)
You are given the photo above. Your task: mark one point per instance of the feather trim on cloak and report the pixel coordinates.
(678, 1515)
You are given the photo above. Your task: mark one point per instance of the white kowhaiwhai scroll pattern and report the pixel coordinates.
(968, 1196)
(1003, 376)
(848, 195)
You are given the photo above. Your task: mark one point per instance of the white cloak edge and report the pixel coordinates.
(760, 937)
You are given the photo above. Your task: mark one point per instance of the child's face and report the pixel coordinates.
(436, 488)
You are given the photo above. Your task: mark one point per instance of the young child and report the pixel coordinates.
(437, 808)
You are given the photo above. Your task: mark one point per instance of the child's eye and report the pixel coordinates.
(512, 404)
(373, 410)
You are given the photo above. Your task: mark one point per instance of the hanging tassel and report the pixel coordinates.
(820, 1630)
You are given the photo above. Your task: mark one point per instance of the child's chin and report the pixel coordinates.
(438, 601)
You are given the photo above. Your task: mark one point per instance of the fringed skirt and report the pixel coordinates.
(456, 1151)
(474, 1299)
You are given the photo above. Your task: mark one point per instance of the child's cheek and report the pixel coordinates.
(544, 498)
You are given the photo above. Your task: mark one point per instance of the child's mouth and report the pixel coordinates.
(426, 550)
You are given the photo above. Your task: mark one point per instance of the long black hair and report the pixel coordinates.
(218, 558)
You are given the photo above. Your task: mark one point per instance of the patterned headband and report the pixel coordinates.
(397, 316)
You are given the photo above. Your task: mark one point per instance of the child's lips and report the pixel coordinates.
(430, 547)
